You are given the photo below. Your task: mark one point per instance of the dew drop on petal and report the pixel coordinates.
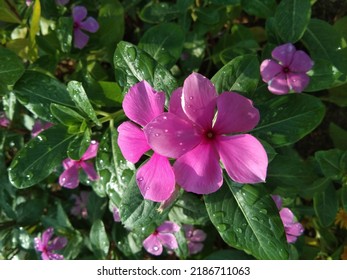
(166, 130)
(156, 135)
(191, 97)
(155, 248)
(140, 179)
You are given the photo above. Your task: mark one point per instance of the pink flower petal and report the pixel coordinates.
(236, 113)
(244, 158)
(171, 136)
(198, 236)
(67, 163)
(90, 24)
(291, 238)
(46, 236)
(168, 240)
(301, 62)
(195, 248)
(156, 179)
(52, 256)
(298, 81)
(80, 39)
(168, 226)
(198, 171)
(284, 53)
(142, 103)
(91, 151)
(287, 216)
(269, 69)
(69, 178)
(79, 13)
(199, 99)
(279, 85)
(175, 106)
(153, 245)
(295, 229)
(58, 243)
(132, 141)
(89, 169)
(278, 201)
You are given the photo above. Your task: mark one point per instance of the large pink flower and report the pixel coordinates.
(155, 178)
(69, 178)
(193, 133)
(162, 236)
(287, 71)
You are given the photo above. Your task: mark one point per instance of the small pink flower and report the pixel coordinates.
(28, 2)
(40, 126)
(47, 246)
(162, 236)
(80, 208)
(116, 215)
(198, 137)
(292, 228)
(79, 13)
(4, 121)
(155, 178)
(194, 237)
(69, 178)
(287, 71)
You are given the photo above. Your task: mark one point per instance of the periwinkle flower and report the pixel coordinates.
(155, 178)
(80, 207)
(40, 126)
(47, 246)
(79, 13)
(116, 215)
(69, 178)
(194, 237)
(198, 137)
(287, 71)
(4, 121)
(292, 228)
(162, 236)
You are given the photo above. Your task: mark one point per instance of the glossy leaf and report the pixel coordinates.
(326, 205)
(241, 74)
(64, 33)
(8, 13)
(99, 240)
(37, 91)
(79, 145)
(158, 12)
(66, 115)
(333, 163)
(259, 8)
(338, 135)
(286, 119)
(81, 100)
(292, 18)
(133, 65)
(11, 67)
(46, 150)
(164, 43)
(247, 219)
(115, 172)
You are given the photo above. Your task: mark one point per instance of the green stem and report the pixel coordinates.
(111, 117)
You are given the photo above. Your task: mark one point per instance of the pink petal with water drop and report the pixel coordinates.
(298, 81)
(175, 106)
(91, 151)
(168, 226)
(69, 178)
(284, 53)
(89, 169)
(168, 240)
(153, 245)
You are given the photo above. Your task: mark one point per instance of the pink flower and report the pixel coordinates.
(116, 215)
(198, 138)
(79, 13)
(4, 121)
(40, 126)
(48, 246)
(194, 237)
(287, 71)
(155, 178)
(69, 178)
(80, 207)
(292, 228)
(28, 2)
(162, 236)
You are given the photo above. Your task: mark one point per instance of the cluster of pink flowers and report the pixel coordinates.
(200, 129)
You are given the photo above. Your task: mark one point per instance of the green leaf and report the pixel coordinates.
(324, 42)
(158, 12)
(241, 74)
(39, 157)
(115, 172)
(81, 100)
(79, 145)
(333, 163)
(344, 196)
(326, 205)
(339, 136)
(164, 42)
(96, 207)
(287, 119)
(292, 18)
(8, 12)
(36, 91)
(133, 65)
(66, 115)
(11, 67)
(29, 212)
(64, 33)
(99, 240)
(137, 213)
(247, 219)
(259, 8)
(337, 96)
(229, 255)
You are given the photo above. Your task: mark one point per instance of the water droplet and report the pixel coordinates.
(164, 117)
(155, 248)
(29, 176)
(93, 142)
(254, 218)
(218, 214)
(157, 135)
(222, 227)
(140, 179)
(132, 53)
(166, 130)
(263, 211)
(181, 144)
(147, 188)
(239, 230)
(191, 97)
